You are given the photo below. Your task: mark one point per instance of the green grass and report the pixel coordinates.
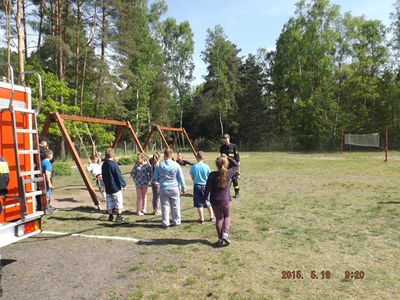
(302, 212)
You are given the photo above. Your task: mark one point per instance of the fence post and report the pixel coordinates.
(341, 140)
(386, 142)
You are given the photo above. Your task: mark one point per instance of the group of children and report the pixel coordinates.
(210, 189)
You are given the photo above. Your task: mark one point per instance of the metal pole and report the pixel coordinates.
(11, 80)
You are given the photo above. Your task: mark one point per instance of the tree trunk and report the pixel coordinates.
(148, 116)
(181, 126)
(103, 29)
(53, 30)
(98, 94)
(181, 118)
(65, 17)
(60, 61)
(77, 53)
(337, 109)
(137, 110)
(221, 123)
(83, 78)
(99, 89)
(25, 34)
(41, 17)
(86, 58)
(20, 41)
(52, 17)
(8, 31)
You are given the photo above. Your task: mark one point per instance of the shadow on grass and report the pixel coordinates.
(83, 209)
(93, 209)
(389, 202)
(62, 219)
(67, 200)
(107, 224)
(157, 219)
(5, 262)
(177, 242)
(146, 223)
(71, 186)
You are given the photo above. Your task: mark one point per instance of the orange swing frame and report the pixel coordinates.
(59, 120)
(160, 130)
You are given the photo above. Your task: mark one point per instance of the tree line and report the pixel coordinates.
(123, 60)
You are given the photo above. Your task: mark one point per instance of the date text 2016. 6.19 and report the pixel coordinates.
(297, 274)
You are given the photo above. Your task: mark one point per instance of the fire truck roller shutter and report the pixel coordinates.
(4, 176)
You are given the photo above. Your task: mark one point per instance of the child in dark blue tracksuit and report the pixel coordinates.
(114, 183)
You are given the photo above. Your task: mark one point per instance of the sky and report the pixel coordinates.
(254, 24)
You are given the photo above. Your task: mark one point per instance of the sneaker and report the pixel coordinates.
(220, 243)
(200, 221)
(120, 219)
(110, 218)
(226, 239)
(139, 213)
(164, 226)
(236, 194)
(212, 219)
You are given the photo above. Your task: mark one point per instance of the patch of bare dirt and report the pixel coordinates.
(69, 268)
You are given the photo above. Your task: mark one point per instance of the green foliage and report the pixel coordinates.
(122, 60)
(221, 57)
(141, 59)
(325, 75)
(53, 88)
(178, 51)
(206, 144)
(61, 168)
(251, 102)
(125, 161)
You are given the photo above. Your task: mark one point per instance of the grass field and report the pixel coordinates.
(297, 212)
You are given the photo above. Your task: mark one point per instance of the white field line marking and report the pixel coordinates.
(119, 238)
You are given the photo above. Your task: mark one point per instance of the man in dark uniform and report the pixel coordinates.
(231, 150)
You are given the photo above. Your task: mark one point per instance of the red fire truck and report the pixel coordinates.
(22, 185)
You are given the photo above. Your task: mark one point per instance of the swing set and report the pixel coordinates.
(59, 120)
(177, 133)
